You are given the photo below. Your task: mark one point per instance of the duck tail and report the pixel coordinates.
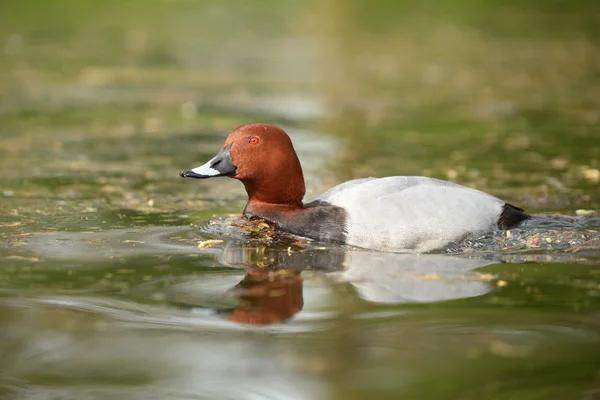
(511, 216)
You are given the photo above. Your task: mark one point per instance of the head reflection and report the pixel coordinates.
(271, 291)
(267, 297)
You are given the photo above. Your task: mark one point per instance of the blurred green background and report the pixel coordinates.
(502, 96)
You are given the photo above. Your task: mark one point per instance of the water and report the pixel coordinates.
(143, 312)
(120, 280)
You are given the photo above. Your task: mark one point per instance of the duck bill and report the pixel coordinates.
(219, 165)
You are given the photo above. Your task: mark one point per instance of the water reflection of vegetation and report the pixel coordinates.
(486, 95)
(483, 94)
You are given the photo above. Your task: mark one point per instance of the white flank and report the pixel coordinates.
(412, 214)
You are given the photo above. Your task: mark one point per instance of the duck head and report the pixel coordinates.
(263, 158)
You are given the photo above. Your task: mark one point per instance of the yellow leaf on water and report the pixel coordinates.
(209, 243)
(486, 277)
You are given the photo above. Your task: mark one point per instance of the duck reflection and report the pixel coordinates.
(270, 285)
(267, 297)
(272, 289)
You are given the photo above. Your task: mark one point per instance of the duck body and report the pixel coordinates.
(398, 213)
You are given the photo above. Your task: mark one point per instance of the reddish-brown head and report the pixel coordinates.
(263, 158)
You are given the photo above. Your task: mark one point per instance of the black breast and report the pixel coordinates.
(319, 220)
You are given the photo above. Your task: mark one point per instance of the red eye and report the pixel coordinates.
(254, 140)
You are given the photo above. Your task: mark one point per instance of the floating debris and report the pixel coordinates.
(126, 271)
(24, 234)
(591, 174)
(9, 224)
(585, 213)
(205, 244)
(21, 258)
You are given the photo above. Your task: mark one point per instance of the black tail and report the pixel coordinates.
(511, 216)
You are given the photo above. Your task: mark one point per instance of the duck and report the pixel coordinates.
(413, 214)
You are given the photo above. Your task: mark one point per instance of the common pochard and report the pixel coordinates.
(397, 213)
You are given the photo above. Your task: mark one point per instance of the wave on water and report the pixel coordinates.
(545, 237)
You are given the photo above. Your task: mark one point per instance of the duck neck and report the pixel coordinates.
(273, 212)
(274, 199)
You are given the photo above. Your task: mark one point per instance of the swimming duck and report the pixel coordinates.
(396, 213)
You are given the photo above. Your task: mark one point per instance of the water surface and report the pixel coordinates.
(106, 294)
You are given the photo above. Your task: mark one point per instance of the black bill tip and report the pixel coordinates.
(188, 173)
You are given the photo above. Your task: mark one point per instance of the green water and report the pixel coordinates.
(105, 294)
